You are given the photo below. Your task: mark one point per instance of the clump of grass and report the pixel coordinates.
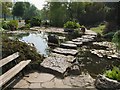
(98, 29)
(113, 74)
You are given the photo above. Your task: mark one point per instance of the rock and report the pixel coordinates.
(65, 51)
(53, 39)
(103, 82)
(68, 30)
(74, 70)
(90, 32)
(57, 63)
(70, 46)
(77, 40)
(76, 43)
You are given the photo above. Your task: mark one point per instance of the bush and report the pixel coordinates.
(35, 22)
(113, 74)
(5, 25)
(27, 21)
(13, 24)
(26, 51)
(27, 26)
(116, 39)
(71, 25)
(109, 36)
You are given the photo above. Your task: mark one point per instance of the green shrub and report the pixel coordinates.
(116, 39)
(71, 25)
(109, 35)
(13, 23)
(27, 21)
(26, 51)
(27, 26)
(113, 74)
(5, 25)
(35, 22)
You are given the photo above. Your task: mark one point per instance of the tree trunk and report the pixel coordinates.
(13, 17)
(4, 16)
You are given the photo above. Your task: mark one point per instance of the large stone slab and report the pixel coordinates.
(65, 51)
(76, 43)
(66, 45)
(57, 62)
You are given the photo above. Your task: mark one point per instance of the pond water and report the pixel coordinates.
(39, 40)
(89, 63)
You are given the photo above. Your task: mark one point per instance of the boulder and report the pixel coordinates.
(103, 82)
(57, 62)
(53, 39)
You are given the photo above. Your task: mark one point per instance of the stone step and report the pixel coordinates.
(65, 51)
(68, 46)
(58, 62)
(76, 43)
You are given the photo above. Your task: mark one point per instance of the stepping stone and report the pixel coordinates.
(65, 51)
(77, 40)
(66, 45)
(57, 62)
(76, 43)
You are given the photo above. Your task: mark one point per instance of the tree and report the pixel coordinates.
(19, 9)
(6, 9)
(31, 12)
(112, 17)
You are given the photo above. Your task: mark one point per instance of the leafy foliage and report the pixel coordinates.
(116, 39)
(35, 21)
(113, 74)
(6, 8)
(109, 36)
(19, 9)
(5, 25)
(8, 25)
(71, 25)
(13, 23)
(26, 51)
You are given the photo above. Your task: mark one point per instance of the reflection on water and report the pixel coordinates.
(39, 40)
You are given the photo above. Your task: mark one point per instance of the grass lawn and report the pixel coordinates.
(98, 29)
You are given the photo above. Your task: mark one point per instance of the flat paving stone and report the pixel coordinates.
(66, 45)
(21, 84)
(59, 83)
(35, 85)
(32, 77)
(65, 51)
(57, 62)
(49, 84)
(42, 77)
